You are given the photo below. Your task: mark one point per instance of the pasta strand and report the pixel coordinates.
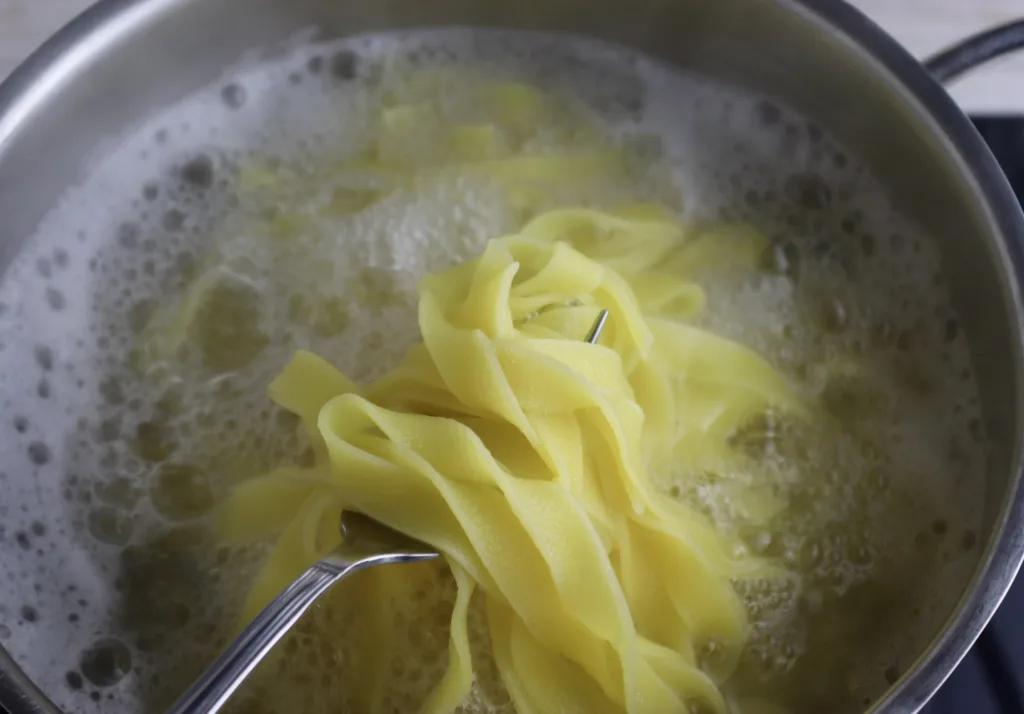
(525, 455)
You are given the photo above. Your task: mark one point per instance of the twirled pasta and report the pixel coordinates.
(525, 455)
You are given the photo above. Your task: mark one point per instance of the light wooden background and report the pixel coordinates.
(922, 25)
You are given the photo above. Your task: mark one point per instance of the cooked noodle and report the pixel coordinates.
(526, 456)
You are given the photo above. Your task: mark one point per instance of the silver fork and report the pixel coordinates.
(365, 543)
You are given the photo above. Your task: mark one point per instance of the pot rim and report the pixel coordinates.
(37, 77)
(999, 564)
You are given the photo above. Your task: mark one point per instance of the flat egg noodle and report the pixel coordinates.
(525, 455)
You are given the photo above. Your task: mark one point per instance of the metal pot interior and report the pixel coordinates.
(99, 138)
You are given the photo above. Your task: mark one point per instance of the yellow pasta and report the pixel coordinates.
(525, 455)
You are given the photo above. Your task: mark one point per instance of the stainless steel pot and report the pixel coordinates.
(123, 60)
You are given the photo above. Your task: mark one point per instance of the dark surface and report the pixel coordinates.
(1005, 136)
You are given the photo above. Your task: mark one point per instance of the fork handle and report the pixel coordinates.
(212, 690)
(216, 685)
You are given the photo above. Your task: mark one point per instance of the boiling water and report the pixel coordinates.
(115, 589)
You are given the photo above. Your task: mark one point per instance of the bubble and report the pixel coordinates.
(234, 96)
(110, 526)
(20, 424)
(834, 316)
(344, 64)
(106, 662)
(784, 259)
(55, 299)
(859, 554)
(39, 453)
(43, 389)
(29, 614)
(811, 554)
(128, 235)
(153, 441)
(173, 220)
(109, 430)
(74, 680)
(968, 540)
(198, 172)
(809, 191)
(767, 113)
(119, 492)
(61, 258)
(44, 358)
(181, 492)
(112, 391)
(44, 268)
(227, 327)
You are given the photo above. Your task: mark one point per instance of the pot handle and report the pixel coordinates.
(975, 51)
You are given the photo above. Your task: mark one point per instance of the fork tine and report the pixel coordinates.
(595, 331)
